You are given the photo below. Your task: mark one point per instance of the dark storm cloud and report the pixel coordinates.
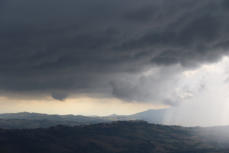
(59, 95)
(86, 46)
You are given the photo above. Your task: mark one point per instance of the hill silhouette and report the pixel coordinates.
(115, 137)
(25, 120)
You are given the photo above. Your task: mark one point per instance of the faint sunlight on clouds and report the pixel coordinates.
(209, 103)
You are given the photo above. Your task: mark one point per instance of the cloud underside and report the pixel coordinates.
(104, 48)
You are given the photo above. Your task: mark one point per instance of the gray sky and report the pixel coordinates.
(129, 50)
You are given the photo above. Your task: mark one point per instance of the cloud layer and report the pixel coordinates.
(103, 47)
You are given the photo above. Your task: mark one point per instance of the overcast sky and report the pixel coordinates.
(156, 54)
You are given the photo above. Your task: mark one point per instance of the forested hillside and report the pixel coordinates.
(116, 137)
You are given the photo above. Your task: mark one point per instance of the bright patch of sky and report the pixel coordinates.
(205, 96)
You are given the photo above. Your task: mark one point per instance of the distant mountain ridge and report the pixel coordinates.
(151, 116)
(25, 120)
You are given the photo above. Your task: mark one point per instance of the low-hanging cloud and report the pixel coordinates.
(88, 47)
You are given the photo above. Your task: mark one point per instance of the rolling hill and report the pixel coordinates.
(27, 120)
(115, 137)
